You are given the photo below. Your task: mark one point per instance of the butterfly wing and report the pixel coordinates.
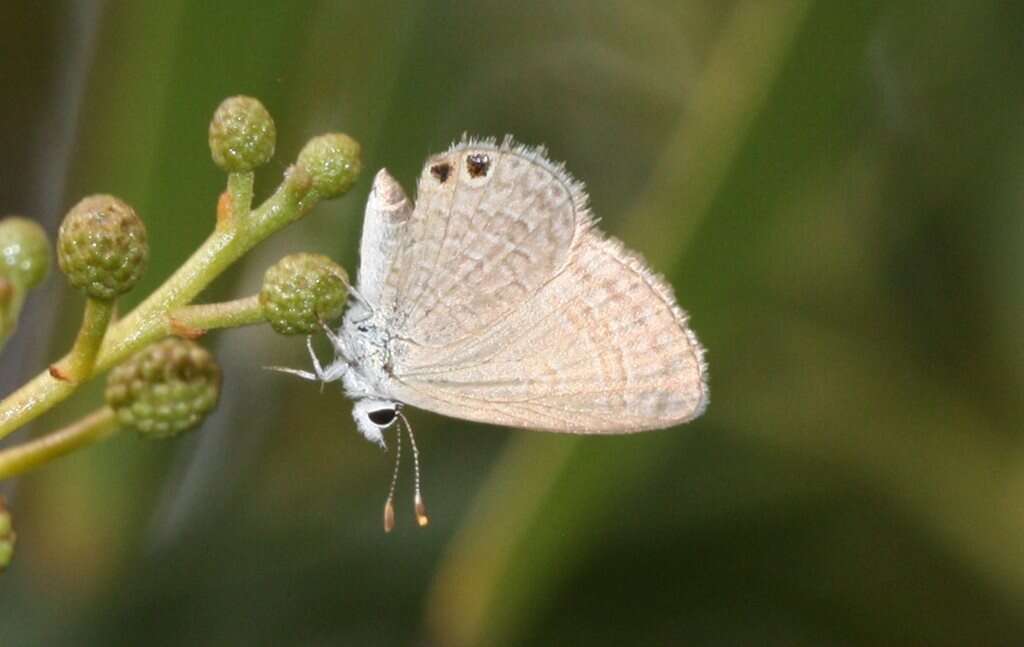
(491, 224)
(385, 234)
(512, 309)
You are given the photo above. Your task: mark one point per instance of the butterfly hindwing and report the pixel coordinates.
(511, 308)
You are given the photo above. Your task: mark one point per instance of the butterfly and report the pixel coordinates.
(493, 297)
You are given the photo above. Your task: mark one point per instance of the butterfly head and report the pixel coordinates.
(373, 416)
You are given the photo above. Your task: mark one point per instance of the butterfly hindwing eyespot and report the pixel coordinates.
(441, 171)
(477, 164)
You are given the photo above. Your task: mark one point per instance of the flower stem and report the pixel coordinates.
(195, 320)
(240, 191)
(82, 358)
(94, 427)
(149, 321)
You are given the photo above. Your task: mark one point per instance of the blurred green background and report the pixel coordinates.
(835, 190)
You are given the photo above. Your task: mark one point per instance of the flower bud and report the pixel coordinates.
(102, 246)
(242, 135)
(333, 162)
(300, 291)
(24, 252)
(165, 389)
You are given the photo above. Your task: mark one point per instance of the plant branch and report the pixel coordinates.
(93, 428)
(149, 321)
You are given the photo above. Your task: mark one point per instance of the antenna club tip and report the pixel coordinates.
(389, 516)
(421, 512)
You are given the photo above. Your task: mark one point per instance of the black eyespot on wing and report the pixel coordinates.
(441, 171)
(382, 417)
(477, 164)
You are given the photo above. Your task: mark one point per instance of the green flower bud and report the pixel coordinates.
(102, 246)
(300, 291)
(242, 135)
(7, 536)
(24, 251)
(164, 389)
(333, 162)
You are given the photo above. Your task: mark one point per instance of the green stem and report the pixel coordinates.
(83, 354)
(231, 314)
(149, 321)
(95, 427)
(240, 191)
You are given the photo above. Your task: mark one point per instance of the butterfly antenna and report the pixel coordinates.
(389, 505)
(421, 510)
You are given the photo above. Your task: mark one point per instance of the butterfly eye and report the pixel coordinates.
(477, 164)
(441, 171)
(382, 417)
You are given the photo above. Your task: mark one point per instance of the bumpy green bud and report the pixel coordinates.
(242, 134)
(7, 536)
(102, 246)
(164, 389)
(333, 162)
(24, 252)
(300, 291)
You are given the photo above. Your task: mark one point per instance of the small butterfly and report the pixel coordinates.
(494, 297)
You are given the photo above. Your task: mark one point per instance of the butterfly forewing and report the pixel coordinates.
(509, 307)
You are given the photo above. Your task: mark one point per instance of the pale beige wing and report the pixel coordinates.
(600, 347)
(491, 224)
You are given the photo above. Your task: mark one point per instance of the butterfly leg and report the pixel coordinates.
(331, 335)
(359, 297)
(306, 375)
(340, 348)
(316, 360)
(334, 371)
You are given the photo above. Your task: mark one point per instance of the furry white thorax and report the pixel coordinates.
(360, 357)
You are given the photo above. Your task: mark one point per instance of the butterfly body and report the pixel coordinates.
(495, 298)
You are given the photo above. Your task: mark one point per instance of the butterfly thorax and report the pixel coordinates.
(364, 346)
